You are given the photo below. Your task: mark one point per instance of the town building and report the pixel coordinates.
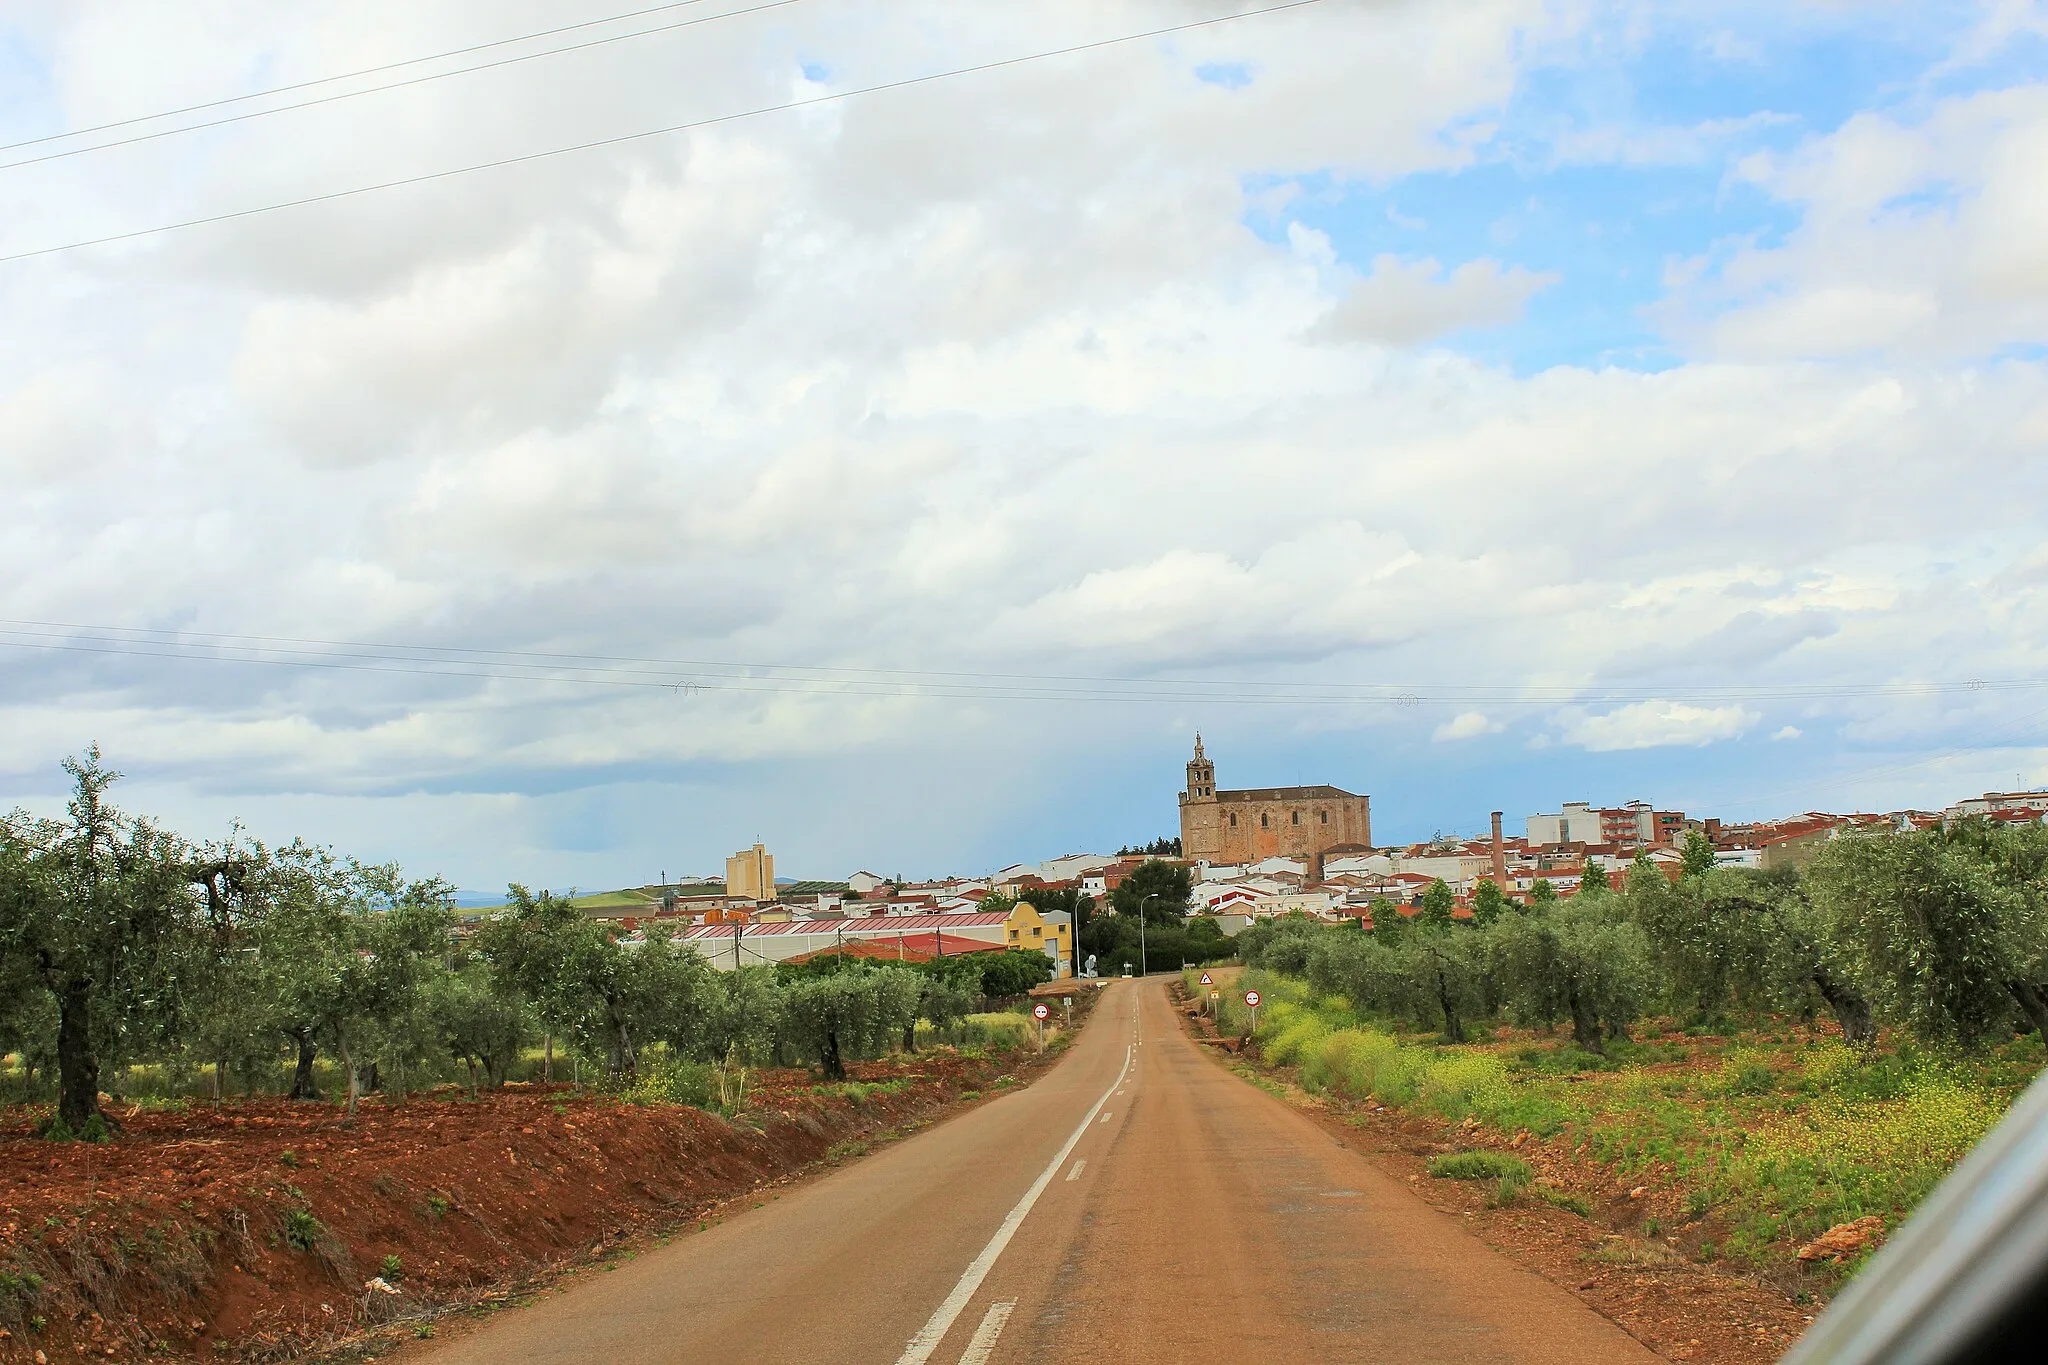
(1248, 825)
(751, 873)
(2006, 808)
(744, 942)
(1635, 825)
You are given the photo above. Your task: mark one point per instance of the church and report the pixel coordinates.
(1245, 826)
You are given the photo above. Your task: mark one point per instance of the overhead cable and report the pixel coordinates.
(621, 139)
(392, 85)
(379, 70)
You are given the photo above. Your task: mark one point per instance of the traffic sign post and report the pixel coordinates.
(1251, 1002)
(1041, 1011)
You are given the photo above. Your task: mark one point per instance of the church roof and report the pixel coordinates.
(1323, 793)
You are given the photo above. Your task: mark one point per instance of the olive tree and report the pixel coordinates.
(97, 908)
(858, 1012)
(347, 951)
(1581, 960)
(609, 995)
(1944, 929)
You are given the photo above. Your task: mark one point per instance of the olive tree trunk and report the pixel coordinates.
(78, 1067)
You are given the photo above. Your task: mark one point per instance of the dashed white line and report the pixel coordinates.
(1105, 1118)
(941, 1321)
(1075, 1174)
(983, 1343)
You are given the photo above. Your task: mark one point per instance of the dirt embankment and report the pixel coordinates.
(1683, 1310)
(264, 1228)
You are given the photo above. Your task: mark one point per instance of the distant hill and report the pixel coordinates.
(625, 897)
(631, 897)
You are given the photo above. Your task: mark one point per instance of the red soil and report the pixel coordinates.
(190, 1232)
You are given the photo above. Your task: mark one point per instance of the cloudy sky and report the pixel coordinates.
(1477, 405)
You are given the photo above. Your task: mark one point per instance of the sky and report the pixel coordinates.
(1479, 406)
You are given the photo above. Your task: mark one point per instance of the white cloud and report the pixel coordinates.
(1404, 303)
(1657, 725)
(1787, 732)
(1466, 725)
(982, 377)
(1921, 236)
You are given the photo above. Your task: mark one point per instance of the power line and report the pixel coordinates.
(392, 85)
(623, 138)
(345, 76)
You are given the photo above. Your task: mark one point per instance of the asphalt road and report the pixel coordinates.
(1138, 1203)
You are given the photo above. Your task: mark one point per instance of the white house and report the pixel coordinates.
(1074, 865)
(1291, 903)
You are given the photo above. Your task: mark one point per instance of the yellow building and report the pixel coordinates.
(1032, 932)
(751, 873)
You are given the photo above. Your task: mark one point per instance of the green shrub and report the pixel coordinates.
(670, 1081)
(1459, 1084)
(302, 1231)
(1481, 1165)
(1745, 1072)
(999, 1031)
(20, 1292)
(1284, 1041)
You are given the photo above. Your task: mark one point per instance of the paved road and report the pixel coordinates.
(1136, 1204)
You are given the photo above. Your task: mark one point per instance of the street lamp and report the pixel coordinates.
(1143, 965)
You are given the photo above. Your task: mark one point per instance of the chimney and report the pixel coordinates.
(1500, 856)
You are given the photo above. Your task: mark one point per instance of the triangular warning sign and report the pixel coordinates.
(1206, 981)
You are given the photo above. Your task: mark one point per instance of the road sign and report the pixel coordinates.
(1251, 999)
(1206, 981)
(1041, 1011)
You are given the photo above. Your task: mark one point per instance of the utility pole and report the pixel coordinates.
(1142, 966)
(739, 930)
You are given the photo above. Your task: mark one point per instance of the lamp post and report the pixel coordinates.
(1143, 965)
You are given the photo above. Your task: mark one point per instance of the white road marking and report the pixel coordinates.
(1075, 1174)
(983, 1342)
(941, 1321)
(1105, 1118)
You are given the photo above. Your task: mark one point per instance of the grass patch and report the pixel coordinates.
(1771, 1133)
(1480, 1166)
(1560, 1199)
(1620, 1251)
(860, 1092)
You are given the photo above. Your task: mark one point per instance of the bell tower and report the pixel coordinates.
(1201, 775)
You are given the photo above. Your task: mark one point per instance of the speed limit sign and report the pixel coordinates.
(1041, 1011)
(1251, 999)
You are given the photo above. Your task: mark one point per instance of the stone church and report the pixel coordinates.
(1245, 826)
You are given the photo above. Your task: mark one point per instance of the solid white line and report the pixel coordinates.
(983, 1343)
(1075, 1174)
(934, 1331)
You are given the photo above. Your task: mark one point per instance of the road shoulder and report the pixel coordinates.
(1681, 1310)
